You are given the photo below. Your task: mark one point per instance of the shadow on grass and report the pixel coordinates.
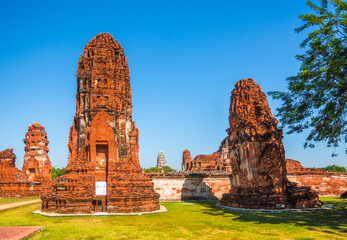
(334, 220)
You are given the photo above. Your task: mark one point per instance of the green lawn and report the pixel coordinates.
(190, 221)
(13, 200)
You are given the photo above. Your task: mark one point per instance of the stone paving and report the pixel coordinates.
(18, 233)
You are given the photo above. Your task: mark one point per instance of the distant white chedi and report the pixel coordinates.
(161, 160)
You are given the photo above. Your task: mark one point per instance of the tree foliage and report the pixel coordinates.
(158, 169)
(334, 168)
(56, 172)
(317, 96)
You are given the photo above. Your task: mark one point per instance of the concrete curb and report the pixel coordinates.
(39, 212)
(324, 207)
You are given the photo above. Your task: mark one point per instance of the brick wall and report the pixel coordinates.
(182, 187)
(325, 183)
(190, 187)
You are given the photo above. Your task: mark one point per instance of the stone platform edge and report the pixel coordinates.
(324, 207)
(39, 212)
(19, 233)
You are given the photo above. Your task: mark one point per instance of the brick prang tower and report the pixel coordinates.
(103, 140)
(255, 150)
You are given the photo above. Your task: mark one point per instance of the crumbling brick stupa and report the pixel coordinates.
(13, 182)
(103, 140)
(37, 165)
(253, 153)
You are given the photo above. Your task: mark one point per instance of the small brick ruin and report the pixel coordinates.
(161, 160)
(37, 165)
(35, 177)
(253, 154)
(13, 182)
(103, 140)
(321, 181)
(296, 166)
(217, 161)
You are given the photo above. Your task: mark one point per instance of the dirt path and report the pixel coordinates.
(8, 206)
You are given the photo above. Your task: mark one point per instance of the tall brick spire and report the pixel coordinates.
(103, 140)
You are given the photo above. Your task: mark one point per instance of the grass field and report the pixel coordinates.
(185, 220)
(13, 200)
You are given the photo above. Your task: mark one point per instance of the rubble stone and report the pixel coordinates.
(103, 140)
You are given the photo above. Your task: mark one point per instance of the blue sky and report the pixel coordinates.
(184, 56)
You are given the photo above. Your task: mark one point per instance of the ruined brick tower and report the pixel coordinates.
(37, 165)
(103, 140)
(255, 151)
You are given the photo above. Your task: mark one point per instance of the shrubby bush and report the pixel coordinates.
(157, 169)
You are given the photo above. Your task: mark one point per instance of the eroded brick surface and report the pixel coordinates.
(217, 161)
(13, 182)
(37, 165)
(256, 154)
(103, 140)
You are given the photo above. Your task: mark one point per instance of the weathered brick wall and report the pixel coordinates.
(190, 187)
(325, 183)
(182, 187)
(19, 189)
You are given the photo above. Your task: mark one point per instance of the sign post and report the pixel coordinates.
(100, 190)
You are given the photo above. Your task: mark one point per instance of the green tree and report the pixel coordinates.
(317, 96)
(334, 168)
(158, 169)
(56, 172)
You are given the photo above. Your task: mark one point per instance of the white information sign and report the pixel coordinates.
(100, 189)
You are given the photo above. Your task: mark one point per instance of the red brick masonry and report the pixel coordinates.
(13, 182)
(103, 140)
(181, 186)
(325, 183)
(37, 165)
(253, 153)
